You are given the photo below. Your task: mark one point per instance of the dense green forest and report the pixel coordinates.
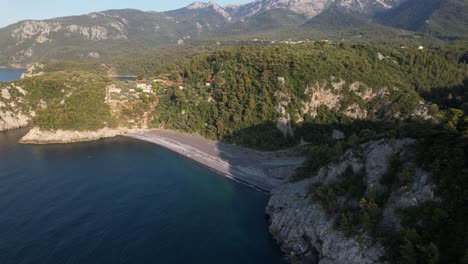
(242, 96)
(68, 100)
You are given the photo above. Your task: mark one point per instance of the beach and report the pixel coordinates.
(262, 170)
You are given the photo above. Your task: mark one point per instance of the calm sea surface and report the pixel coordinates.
(8, 75)
(124, 201)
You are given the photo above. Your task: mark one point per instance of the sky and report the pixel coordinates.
(12, 11)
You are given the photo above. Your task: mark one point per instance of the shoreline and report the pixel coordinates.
(262, 170)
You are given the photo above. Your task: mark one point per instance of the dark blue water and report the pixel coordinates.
(8, 75)
(124, 201)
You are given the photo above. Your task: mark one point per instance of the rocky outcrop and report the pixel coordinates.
(335, 93)
(283, 123)
(307, 233)
(38, 136)
(14, 112)
(10, 120)
(34, 69)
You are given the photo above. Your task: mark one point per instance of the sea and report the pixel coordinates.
(121, 200)
(8, 75)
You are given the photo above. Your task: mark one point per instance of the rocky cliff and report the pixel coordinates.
(38, 136)
(310, 232)
(14, 113)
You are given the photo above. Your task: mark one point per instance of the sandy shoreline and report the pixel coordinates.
(263, 170)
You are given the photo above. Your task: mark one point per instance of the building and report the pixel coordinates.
(420, 48)
(114, 89)
(208, 82)
(146, 88)
(141, 85)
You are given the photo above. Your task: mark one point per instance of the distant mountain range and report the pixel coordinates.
(107, 33)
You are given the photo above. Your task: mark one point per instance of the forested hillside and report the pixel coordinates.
(58, 100)
(368, 93)
(248, 80)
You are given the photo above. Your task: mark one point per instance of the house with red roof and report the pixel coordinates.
(209, 81)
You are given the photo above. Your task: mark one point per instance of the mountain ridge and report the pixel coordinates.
(113, 32)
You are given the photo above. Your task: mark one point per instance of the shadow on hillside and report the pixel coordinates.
(442, 152)
(269, 152)
(455, 97)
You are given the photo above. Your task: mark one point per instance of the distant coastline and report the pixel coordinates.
(14, 67)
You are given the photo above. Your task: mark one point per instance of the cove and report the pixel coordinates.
(8, 75)
(124, 201)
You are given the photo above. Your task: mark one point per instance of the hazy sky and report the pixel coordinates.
(12, 11)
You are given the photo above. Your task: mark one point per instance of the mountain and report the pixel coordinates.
(339, 22)
(279, 19)
(102, 34)
(444, 18)
(115, 32)
(311, 8)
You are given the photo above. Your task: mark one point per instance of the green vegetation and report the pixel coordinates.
(68, 100)
(240, 106)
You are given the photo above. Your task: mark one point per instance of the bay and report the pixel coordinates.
(124, 201)
(8, 75)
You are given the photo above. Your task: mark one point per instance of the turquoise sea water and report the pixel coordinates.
(8, 75)
(124, 201)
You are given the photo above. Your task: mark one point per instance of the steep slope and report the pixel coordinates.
(89, 36)
(101, 34)
(445, 18)
(201, 17)
(311, 8)
(271, 20)
(336, 23)
(116, 32)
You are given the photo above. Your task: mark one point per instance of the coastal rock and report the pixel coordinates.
(338, 135)
(421, 191)
(38, 136)
(307, 233)
(10, 120)
(35, 69)
(304, 230)
(378, 155)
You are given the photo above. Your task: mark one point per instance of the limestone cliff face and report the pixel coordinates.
(307, 233)
(14, 112)
(356, 100)
(38, 136)
(34, 69)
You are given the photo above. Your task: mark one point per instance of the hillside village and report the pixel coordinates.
(134, 102)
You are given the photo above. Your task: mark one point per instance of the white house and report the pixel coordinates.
(114, 89)
(146, 88)
(141, 85)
